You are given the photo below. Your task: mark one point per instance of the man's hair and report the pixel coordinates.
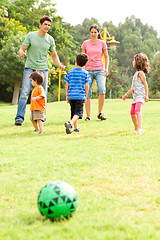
(82, 59)
(38, 77)
(45, 18)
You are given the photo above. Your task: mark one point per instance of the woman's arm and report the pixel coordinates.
(105, 53)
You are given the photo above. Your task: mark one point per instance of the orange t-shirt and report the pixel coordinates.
(39, 104)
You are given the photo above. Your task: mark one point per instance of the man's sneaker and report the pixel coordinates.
(18, 122)
(68, 127)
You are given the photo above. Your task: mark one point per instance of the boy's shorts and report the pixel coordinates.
(76, 108)
(37, 115)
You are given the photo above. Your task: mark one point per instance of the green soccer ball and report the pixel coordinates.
(57, 200)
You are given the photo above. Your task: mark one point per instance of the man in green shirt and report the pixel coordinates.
(37, 44)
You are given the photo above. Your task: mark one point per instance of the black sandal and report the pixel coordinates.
(87, 119)
(101, 116)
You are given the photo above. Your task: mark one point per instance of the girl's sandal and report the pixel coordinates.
(101, 116)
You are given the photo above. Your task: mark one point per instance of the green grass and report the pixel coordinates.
(115, 173)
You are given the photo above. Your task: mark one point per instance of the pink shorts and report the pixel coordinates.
(135, 108)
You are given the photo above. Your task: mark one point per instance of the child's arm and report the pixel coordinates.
(86, 90)
(67, 87)
(127, 93)
(36, 98)
(40, 96)
(143, 79)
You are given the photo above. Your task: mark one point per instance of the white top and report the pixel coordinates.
(138, 89)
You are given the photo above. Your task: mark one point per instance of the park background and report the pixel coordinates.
(115, 173)
(18, 17)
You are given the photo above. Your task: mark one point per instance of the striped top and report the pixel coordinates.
(77, 78)
(138, 89)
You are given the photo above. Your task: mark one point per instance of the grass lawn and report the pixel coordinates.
(115, 173)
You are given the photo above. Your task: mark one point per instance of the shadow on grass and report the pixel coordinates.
(41, 219)
(74, 136)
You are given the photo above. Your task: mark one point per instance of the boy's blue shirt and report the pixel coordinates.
(77, 78)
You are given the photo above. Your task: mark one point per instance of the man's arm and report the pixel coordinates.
(56, 60)
(22, 50)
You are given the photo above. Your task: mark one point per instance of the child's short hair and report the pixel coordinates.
(141, 62)
(82, 59)
(38, 77)
(45, 18)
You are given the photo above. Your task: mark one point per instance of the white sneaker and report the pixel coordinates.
(140, 132)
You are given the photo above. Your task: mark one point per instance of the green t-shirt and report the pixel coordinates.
(37, 51)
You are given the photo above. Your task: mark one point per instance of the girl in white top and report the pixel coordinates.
(139, 90)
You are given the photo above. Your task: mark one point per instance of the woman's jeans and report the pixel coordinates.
(25, 91)
(98, 75)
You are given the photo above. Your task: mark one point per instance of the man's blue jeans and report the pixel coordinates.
(25, 91)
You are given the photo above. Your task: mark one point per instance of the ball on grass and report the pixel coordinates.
(57, 200)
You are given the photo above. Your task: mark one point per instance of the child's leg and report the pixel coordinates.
(40, 124)
(134, 117)
(35, 125)
(74, 121)
(139, 120)
(134, 120)
(139, 116)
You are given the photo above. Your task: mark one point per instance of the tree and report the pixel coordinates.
(154, 83)
(9, 27)
(12, 65)
(135, 37)
(117, 81)
(29, 12)
(81, 32)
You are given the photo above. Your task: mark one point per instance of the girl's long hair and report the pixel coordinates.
(141, 62)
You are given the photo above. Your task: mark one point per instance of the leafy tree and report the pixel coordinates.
(117, 81)
(81, 32)
(29, 12)
(154, 83)
(12, 66)
(9, 27)
(135, 37)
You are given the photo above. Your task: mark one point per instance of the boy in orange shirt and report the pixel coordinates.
(37, 101)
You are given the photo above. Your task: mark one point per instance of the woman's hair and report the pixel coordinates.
(98, 30)
(37, 76)
(141, 62)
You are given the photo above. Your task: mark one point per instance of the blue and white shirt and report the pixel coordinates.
(77, 78)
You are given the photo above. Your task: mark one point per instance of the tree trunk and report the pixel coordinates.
(16, 92)
(110, 94)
